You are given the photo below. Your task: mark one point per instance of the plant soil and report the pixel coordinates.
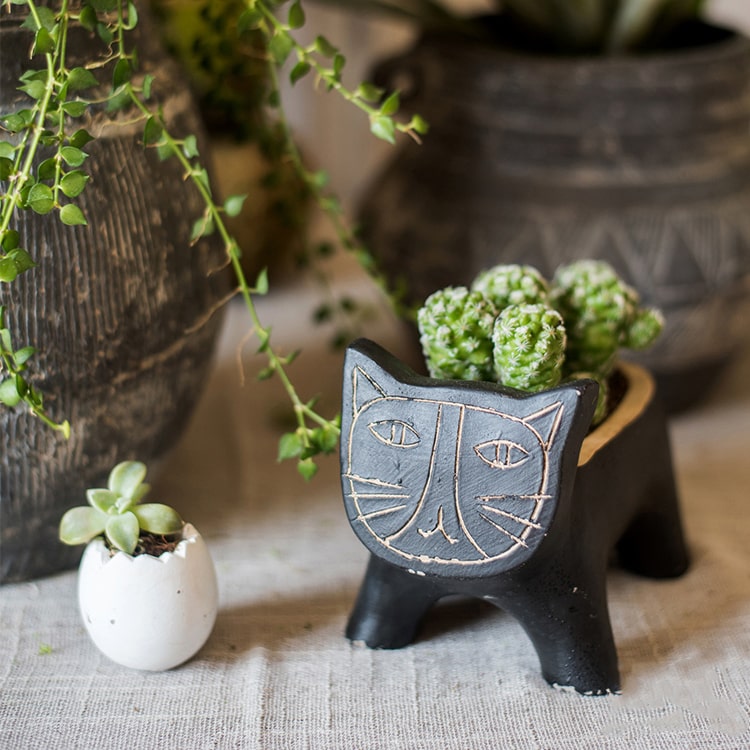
(151, 544)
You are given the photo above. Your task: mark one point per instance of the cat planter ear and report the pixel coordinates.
(364, 388)
(370, 372)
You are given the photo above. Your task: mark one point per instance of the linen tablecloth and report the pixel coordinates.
(277, 672)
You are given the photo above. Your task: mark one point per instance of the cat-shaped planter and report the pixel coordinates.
(460, 487)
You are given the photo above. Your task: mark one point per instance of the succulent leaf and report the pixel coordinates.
(122, 531)
(126, 476)
(158, 518)
(81, 525)
(103, 500)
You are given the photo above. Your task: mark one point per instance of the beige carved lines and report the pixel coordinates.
(530, 524)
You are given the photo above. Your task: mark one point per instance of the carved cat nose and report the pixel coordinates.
(438, 502)
(446, 443)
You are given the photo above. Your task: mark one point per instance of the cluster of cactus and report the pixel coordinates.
(516, 328)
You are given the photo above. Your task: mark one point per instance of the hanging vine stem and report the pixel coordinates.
(309, 439)
(282, 43)
(49, 89)
(16, 388)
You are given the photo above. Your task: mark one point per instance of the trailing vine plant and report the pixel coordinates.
(42, 168)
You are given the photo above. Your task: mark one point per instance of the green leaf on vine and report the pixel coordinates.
(132, 21)
(249, 20)
(261, 283)
(71, 215)
(369, 92)
(152, 131)
(390, 105)
(34, 89)
(233, 204)
(9, 393)
(325, 48)
(279, 47)
(80, 138)
(148, 82)
(44, 44)
(383, 127)
(47, 169)
(307, 468)
(73, 183)
(22, 356)
(80, 79)
(75, 108)
(8, 270)
(190, 147)
(122, 73)
(104, 32)
(300, 70)
(88, 18)
(290, 446)
(339, 61)
(7, 168)
(22, 259)
(41, 199)
(419, 125)
(73, 156)
(296, 18)
(17, 121)
(10, 240)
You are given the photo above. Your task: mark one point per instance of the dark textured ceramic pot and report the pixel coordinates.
(470, 488)
(643, 161)
(119, 310)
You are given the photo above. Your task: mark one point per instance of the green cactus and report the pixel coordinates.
(516, 329)
(644, 329)
(602, 398)
(510, 284)
(602, 314)
(529, 347)
(455, 327)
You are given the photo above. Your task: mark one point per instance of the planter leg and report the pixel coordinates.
(654, 544)
(572, 635)
(390, 606)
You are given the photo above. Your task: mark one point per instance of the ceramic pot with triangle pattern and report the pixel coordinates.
(643, 161)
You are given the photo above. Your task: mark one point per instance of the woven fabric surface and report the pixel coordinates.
(277, 672)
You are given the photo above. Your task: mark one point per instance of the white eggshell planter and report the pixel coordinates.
(149, 612)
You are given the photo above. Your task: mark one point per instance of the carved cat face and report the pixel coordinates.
(447, 477)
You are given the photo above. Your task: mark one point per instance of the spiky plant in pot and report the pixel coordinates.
(540, 332)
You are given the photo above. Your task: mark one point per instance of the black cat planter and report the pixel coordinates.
(470, 488)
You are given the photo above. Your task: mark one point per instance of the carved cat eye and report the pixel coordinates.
(501, 454)
(395, 432)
